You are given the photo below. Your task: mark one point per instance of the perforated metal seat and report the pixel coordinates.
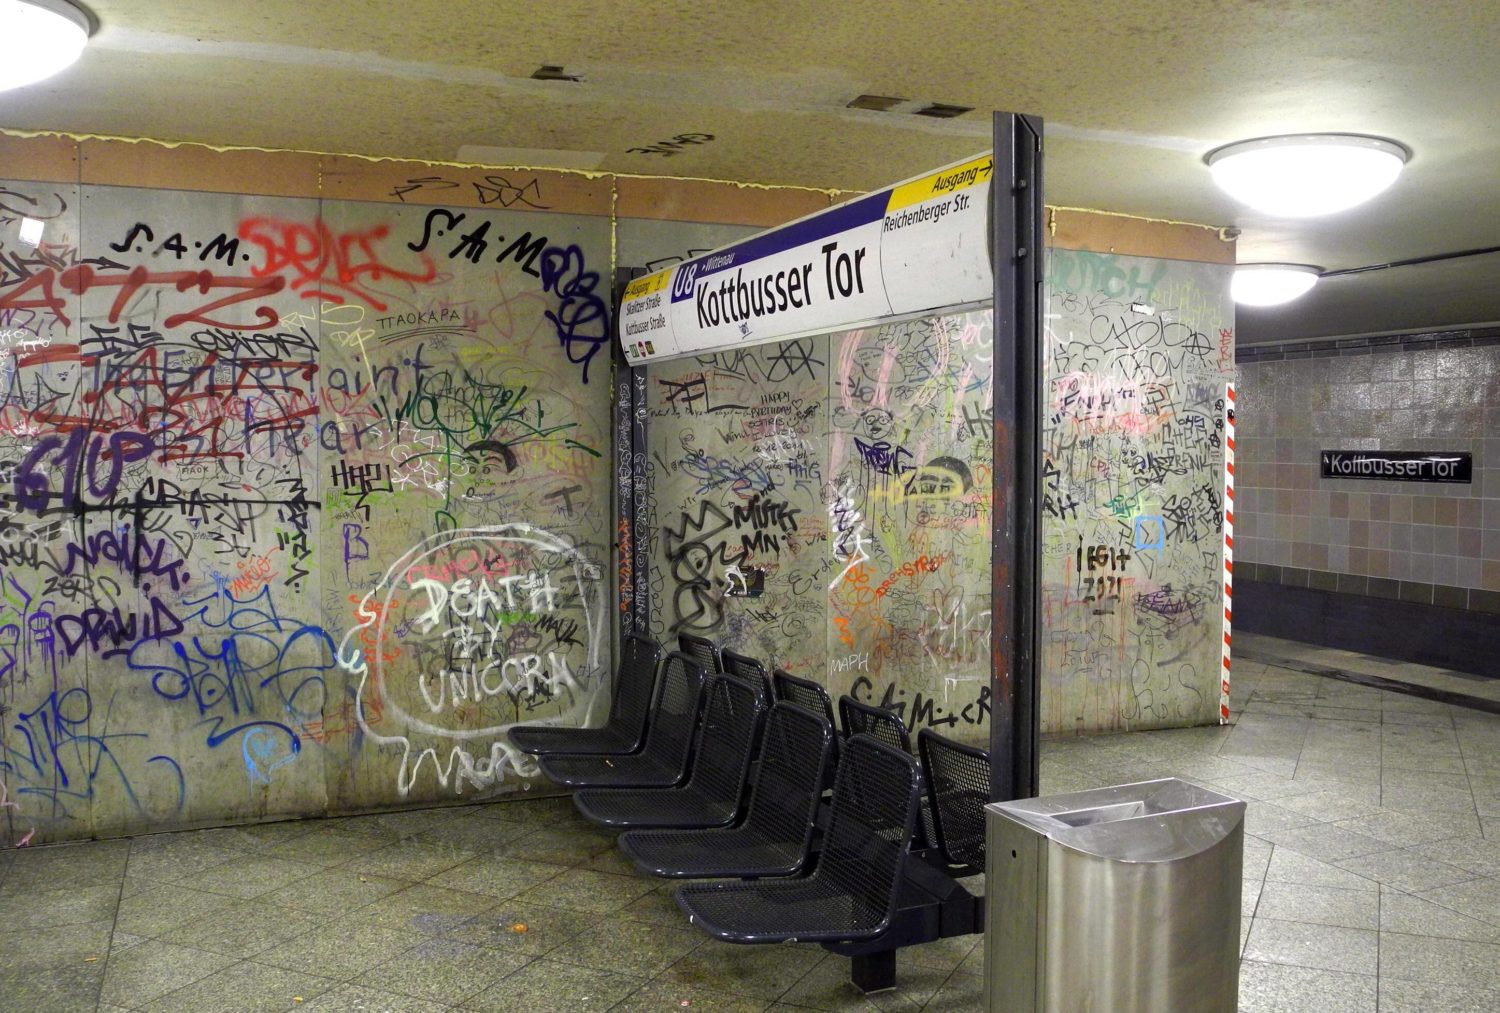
(958, 788)
(811, 697)
(852, 894)
(625, 730)
(702, 650)
(747, 668)
(774, 837)
(712, 793)
(887, 726)
(877, 722)
(663, 760)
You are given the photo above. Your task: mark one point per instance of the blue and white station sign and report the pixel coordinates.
(919, 245)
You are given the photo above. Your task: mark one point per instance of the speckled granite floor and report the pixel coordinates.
(1372, 883)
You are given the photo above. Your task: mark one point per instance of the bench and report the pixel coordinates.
(747, 668)
(625, 729)
(663, 760)
(714, 791)
(702, 650)
(871, 893)
(775, 836)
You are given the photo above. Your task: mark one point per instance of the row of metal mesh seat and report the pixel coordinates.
(691, 809)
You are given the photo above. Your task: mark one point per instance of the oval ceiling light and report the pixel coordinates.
(42, 37)
(1272, 284)
(1303, 175)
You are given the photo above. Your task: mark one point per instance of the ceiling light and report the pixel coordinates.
(1272, 284)
(1301, 175)
(42, 37)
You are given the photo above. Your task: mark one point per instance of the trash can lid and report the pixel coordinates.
(1148, 821)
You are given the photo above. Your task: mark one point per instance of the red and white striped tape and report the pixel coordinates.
(1228, 546)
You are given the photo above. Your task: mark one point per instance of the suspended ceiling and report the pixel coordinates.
(1133, 95)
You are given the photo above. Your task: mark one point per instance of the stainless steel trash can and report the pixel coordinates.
(1115, 900)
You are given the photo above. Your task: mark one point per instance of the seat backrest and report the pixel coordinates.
(804, 693)
(863, 719)
(795, 752)
(639, 659)
(744, 667)
(674, 712)
(871, 823)
(727, 737)
(702, 650)
(958, 788)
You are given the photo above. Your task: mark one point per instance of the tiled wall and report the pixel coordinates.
(1420, 542)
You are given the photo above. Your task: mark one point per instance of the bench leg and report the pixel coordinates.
(873, 972)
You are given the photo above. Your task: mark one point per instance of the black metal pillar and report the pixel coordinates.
(632, 541)
(1016, 253)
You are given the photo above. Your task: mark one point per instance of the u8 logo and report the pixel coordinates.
(682, 285)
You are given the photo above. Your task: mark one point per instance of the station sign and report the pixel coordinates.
(1399, 466)
(916, 246)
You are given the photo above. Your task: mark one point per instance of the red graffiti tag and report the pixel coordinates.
(323, 265)
(84, 278)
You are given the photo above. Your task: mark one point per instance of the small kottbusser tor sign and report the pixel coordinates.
(1399, 465)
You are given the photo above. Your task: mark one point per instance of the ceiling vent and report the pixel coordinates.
(943, 111)
(891, 104)
(879, 103)
(553, 72)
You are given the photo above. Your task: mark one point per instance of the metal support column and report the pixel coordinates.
(1016, 253)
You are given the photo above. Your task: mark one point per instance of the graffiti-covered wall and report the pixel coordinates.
(1137, 354)
(824, 504)
(302, 501)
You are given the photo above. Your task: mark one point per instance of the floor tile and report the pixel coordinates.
(246, 987)
(325, 847)
(1321, 946)
(658, 997)
(1283, 988)
(430, 910)
(1400, 996)
(761, 972)
(339, 889)
(529, 929)
(1417, 916)
(1320, 905)
(340, 949)
(60, 990)
(1410, 871)
(561, 845)
(246, 876)
(962, 993)
(154, 968)
(349, 997)
(546, 986)
(442, 970)
(1446, 961)
(165, 907)
(627, 946)
(1326, 842)
(411, 862)
(35, 950)
(1477, 898)
(36, 909)
(827, 987)
(244, 929)
(584, 890)
(496, 875)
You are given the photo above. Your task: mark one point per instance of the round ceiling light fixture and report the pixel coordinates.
(1304, 175)
(1272, 284)
(42, 37)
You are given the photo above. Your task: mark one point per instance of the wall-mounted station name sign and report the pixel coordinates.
(1399, 466)
(919, 245)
